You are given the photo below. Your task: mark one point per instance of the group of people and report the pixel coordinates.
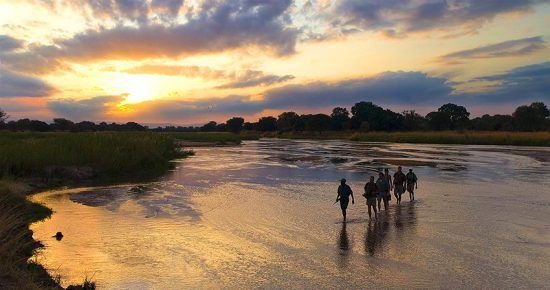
(378, 192)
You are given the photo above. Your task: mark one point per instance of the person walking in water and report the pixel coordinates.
(399, 184)
(344, 192)
(412, 182)
(383, 187)
(387, 176)
(370, 194)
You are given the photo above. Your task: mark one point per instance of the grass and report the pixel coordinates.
(108, 156)
(428, 137)
(209, 137)
(67, 158)
(459, 137)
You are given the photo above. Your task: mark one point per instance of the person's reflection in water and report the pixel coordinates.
(343, 246)
(375, 235)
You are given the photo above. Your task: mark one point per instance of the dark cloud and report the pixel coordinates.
(255, 78)
(518, 47)
(228, 25)
(398, 17)
(8, 43)
(18, 85)
(519, 85)
(387, 88)
(87, 109)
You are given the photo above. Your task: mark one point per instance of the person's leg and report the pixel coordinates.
(379, 200)
(386, 201)
(370, 216)
(375, 213)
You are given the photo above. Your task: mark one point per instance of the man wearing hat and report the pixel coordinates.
(344, 192)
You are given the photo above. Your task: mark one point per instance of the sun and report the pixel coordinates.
(137, 88)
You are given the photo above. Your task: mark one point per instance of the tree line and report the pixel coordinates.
(363, 116)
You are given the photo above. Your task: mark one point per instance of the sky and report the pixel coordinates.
(187, 62)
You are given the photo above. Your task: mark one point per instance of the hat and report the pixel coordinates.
(343, 180)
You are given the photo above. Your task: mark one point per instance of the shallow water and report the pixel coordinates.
(260, 215)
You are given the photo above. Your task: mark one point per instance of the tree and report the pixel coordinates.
(340, 118)
(234, 124)
(317, 122)
(3, 116)
(288, 121)
(40, 126)
(84, 126)
(412, 121)
(209, 127)
(376, 116)
(267, 124)
(62, 124)
(458, 116)
(531, 118)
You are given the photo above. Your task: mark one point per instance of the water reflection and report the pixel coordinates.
(260, 214)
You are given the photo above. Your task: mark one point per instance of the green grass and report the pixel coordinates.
(427, 137)
(457, 137)
(210, 137)
(109, 155)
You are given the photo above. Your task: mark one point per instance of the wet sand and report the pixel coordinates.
(260, 215)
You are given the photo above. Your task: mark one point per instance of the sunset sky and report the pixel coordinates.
(187, 62)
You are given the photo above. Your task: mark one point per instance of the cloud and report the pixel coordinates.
(521, 84)
(96, 108)
(191, 71)
(411, 90)
(18, 85)
(227, 26)
(386, 88)
(518, 47)
(397, 18)
(8, 43)
(255, 78)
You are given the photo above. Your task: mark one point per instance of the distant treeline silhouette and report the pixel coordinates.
(364, 116)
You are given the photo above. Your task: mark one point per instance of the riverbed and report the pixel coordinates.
(261, 215)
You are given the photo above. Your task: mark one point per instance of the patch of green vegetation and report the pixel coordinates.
(209, 137)
(101, 155)
(458, 137)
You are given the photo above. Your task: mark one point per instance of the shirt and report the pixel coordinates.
(399, 178)
(411, 177)
(370, 189)
(344, 191)
(383, 185)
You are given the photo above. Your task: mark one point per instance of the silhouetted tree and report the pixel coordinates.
(288, 121)
(532, 117)
(84, 126)
(340, 119)
(377, 118)
(267, 124)
(133, 126)
(61, 124)
(39, 126)
(412, 121)
(317, 122)
(449, 117)
(209, 127)
(3, 116)
(234, 124)
(492, 123)
(250, 126)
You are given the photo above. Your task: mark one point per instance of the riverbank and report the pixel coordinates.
(32, 162)
(427, 137)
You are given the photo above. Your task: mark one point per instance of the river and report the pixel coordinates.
(261, 215)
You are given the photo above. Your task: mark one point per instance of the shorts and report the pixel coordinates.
(410, 187)
(371, 201)
(383, 196)
(344, 203)
(399, 190)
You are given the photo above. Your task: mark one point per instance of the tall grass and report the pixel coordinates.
(210, 137)
(110, 155)
(16, 243)
(458, 137)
